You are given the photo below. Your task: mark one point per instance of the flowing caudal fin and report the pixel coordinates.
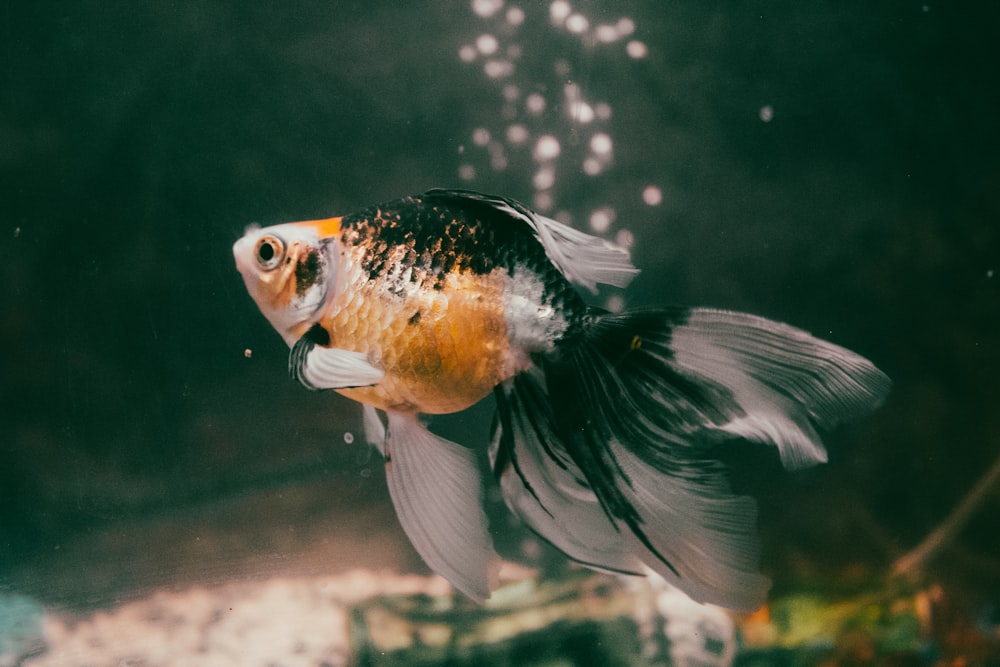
(783, 379)
(543, 486)
(637, 407)
(436, 490)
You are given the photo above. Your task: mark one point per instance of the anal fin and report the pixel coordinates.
(437, 492)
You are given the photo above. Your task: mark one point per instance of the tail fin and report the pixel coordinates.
(606, 449)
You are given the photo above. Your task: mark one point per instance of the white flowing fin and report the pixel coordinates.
(783, 379)
(584, 259)
(544, 487)
(437, 492)
(696, 534)
(374, 429)
(644, 401)
(318, 367)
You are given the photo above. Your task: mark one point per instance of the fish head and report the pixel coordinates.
(288, 271)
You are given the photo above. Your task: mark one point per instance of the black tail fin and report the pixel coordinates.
(606, 449)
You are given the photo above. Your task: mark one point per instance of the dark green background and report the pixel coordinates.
(138, 139)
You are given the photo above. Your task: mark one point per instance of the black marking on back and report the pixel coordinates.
(445, 231)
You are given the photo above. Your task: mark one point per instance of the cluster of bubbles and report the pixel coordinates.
(547, 124)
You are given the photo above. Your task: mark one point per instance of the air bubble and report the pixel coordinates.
(766, 113)
(615, 303)
(601, 144)
(581, 112)
(577, 23)
(467, 53)
(652, 195)
(498, 160)
(486, 8)
(606, 33)
(517, 134)
(559, 10)
(544, 178)
(498, 69)
(348, 437)
(543, 201)
(636, 49)
(592, 166)
(601, 219)
(625, 238)
(535, 104)
(487, 44)
(480, 136)
(466, 172)
(547, 148)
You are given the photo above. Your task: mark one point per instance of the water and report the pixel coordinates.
(833, 166)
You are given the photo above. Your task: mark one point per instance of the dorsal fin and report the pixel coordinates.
(584, 259)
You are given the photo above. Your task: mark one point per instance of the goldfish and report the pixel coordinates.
(608, 425)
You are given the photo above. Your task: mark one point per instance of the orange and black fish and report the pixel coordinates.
(608, 425)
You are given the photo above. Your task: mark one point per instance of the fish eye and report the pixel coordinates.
(269, 251)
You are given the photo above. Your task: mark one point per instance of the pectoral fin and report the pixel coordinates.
(317, 367)
(436, 489)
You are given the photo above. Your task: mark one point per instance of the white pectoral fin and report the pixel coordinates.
(437, 492)
(318, 367)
